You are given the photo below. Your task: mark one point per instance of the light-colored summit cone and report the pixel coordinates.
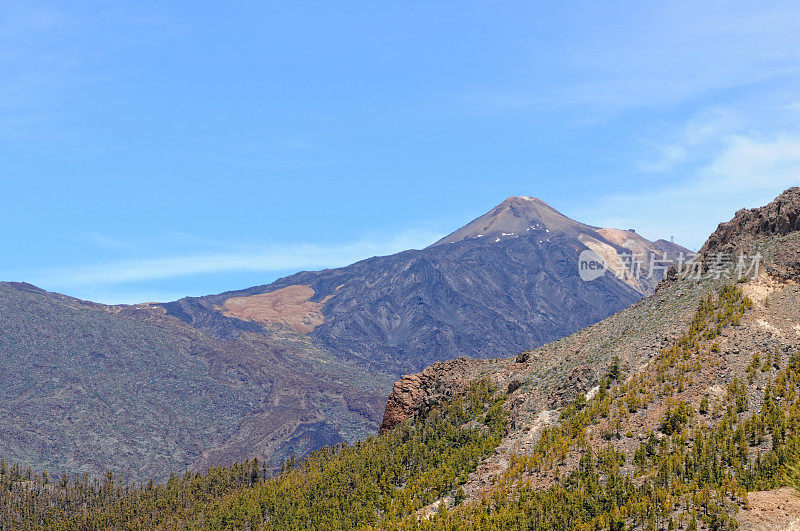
(516, 216)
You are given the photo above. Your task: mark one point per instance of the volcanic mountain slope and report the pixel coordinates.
(287, 368)
(705, 370)
(503, 283)
(90, 388)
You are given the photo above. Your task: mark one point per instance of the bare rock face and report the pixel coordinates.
(524, 356)
(416, 394)
(785, 263)
(579, 381)
(406, 395)
(778, 218)
(746, 234)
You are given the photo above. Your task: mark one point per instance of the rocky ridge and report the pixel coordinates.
(417, 393)
(778, 218)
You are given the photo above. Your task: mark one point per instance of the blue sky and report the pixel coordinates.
(152, 150)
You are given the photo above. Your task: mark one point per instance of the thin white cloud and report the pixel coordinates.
(108, 242)
(108, 280)
(745, 172)
(701, 135)
(747, 165)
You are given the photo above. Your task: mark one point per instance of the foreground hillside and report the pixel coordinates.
(379, 480)
(271, 371)
(682, 411)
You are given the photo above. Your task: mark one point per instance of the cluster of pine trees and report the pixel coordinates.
(382, 479)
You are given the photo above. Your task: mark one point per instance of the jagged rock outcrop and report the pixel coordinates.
(415, 394)
(579, 381)
(779, 217)
(748, 234)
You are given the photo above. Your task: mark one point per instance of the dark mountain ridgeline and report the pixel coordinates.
(505, 282)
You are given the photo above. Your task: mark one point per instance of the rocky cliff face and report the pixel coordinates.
(778, 218)
(415, 394)
(757, 230)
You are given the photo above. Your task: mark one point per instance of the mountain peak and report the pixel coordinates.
(516, 215)
(517, 198)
